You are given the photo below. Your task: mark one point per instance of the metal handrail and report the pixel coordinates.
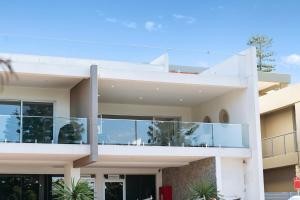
(55, 128)
(134, 139)
(276, 136)
(37, 116)
(171, 121)
(271, 139)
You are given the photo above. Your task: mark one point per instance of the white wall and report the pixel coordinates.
(231, 173)
(242, 106)
(231, 66)
(60, 97)
(146, 110)
(232, 102)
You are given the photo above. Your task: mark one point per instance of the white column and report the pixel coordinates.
(219, 174)
(71, 173)
(99, 186)
(254, 165)
(158, 181)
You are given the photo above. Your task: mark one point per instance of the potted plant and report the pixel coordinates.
(203, 190)
(79, 190)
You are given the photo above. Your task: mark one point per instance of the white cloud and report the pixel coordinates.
(111, 20)
(152, 26)
(127, 24)
(186, 19)
(132, 25)
(293, 59)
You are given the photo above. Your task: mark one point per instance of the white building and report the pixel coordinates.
(131, 128)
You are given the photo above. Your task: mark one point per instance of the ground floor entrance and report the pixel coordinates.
(26, 187)
(135, 187)
(39, 186)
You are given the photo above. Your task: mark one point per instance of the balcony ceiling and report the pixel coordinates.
(157, 93)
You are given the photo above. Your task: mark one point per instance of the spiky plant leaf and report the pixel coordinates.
(79, 190)
(202, 190)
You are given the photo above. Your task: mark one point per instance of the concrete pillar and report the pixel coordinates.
(158, 182)
(71, 173)
(297, 169)
(297, 125)
(99, 186)
(218, 161)
(254, 168)
(84, 103)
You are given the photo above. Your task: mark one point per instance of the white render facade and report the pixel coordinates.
(111, 120)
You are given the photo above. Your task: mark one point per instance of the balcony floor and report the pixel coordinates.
(160, 156)
(57, 155)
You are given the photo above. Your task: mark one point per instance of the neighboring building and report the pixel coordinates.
(130, 128)
(280, 117)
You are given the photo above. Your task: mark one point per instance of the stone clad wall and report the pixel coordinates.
(181, 177)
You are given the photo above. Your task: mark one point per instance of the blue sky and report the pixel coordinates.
(117, 29)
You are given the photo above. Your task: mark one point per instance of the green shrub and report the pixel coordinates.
(202, 190)
(79, 190)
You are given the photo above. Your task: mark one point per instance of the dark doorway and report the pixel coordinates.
(139, 187)
(26, 187)
(114, 190)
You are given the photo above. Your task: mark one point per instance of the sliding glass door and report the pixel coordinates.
(37, 122)
(28, 122)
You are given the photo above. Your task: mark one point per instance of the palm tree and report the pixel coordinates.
(79, 190)
(5, 65)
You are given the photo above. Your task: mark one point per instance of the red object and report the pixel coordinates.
(297, 183)
(165, 193)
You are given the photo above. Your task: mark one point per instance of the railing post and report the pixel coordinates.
(295, 141)
(284, 146)
(21, 122)
(54, 130)
(135, 132)
(212, 135)
(272, 148)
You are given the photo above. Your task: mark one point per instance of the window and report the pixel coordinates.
(223, 116)
(207, 119)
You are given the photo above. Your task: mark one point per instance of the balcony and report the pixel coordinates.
(279, 145)
(171, 133)
(40, 129)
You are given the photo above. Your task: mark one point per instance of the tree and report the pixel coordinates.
(71, 133)
(5, 65)
(263, 53)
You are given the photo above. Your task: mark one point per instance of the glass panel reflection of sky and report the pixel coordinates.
(10, 108)
(117, 131)
(10, 128)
